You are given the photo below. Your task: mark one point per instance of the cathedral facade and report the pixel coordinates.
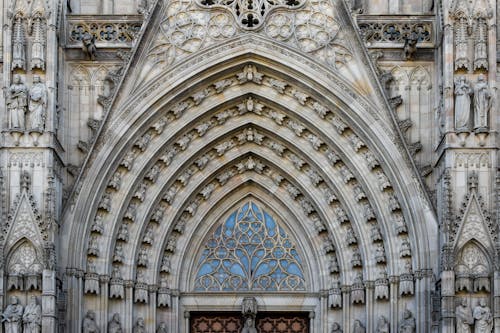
(244, 166)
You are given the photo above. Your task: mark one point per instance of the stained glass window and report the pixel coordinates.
(249, 252)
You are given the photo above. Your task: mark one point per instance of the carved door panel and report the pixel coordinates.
(226, 322)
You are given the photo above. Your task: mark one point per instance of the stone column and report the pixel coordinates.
(447, 301)
(394, 296)
(104, 301)
(128, 316)
(151, 316)
(346, 306)
(370, 305)
(496, 301)
(49, 306)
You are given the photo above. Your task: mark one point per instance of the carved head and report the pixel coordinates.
(407, 314)
(36, 79)
(14, 300)
(335, 327)
(17, 79)
(481, 78)
(91, 315)
(116, 318)
(33, 300)
(482, 302)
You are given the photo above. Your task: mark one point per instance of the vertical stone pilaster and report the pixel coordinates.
(49, 306)
(394, 295)
(346, 308)
(496, 301)
(448, 301)
(371, 319)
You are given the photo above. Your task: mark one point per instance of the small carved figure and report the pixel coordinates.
(115, 326)
(336, 328)
(407, 324)
(162, 328)
(482, 103)
(463, 93)
(350, 237)
(380, 253)
(382, 286)
(149, 235)
(463, 314)
(17, 101)
(249, 325)
(358, 327)
(143, 258)
(89, 325)
(37, 104)
(483, 320)
(410, 46)
(118, 256)
(32, 317)
(357, 6)
(383, 325)
(88, 46)
(139, 326)
(405, 250)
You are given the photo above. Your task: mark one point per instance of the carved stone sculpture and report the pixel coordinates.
(12, 316)
(114, 325)
(358, 327)
(382, 286)
(139, 326)
(407, 324)
(463, 93)
(17, 101)
(37, 104)
(481, 44)
(461, 46)
(162, 328)
(483, 319)
(32, 317)
(89, 325)
(249, 306)
(383, 325)
(410, 46)
(463, 315)
(482, 103)
(336, 328)
(358, 290)
(249, 325)
(38, 43)
(88, 46)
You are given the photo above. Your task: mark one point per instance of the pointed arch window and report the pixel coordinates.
(250, 251)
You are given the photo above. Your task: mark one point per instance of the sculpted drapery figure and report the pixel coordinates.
(483, 319)
(12, 316)
(139, 326)
(407, 324)
(336, 328)
(482, 103)
(89, 324)
(162, 328)
(32, 317)
(463, 93)
(17, 101)
(463, 314)
(37, 104)
(115, 326)
(383, 325)
(358, 327)
(249, 325)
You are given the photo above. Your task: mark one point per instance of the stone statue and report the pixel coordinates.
(12, 316)
(32, 317)
(89, 324)
(37, 104)
(88, 46)
(336, 328)
(407, 324)
(358, 327)
(463, 313)
(162, 328)
(410, 46)
(383, 325)
(115, 326)
(139, 326)
(482, 103)
(463, 92)
(17, 101)
(249, 325)
(483, 320)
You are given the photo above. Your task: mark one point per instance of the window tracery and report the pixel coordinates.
(250, 251)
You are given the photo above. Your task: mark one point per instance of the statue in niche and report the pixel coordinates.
(336, 328)
(32, 317)
(88, 46)
(37, 104)
(407, 324)
(12, 316)
(482, 103)
(89, 324)
(463, 314)
(383, 325)
(483, 320)
(17, 101)
(115, 326)
(249, 325)
(139, 326)
(463, 92)
(18, 43)
(358, 327)
(162, 328)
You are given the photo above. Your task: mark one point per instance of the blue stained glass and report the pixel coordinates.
(250, 251)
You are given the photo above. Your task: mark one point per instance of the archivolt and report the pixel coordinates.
(361, 176)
